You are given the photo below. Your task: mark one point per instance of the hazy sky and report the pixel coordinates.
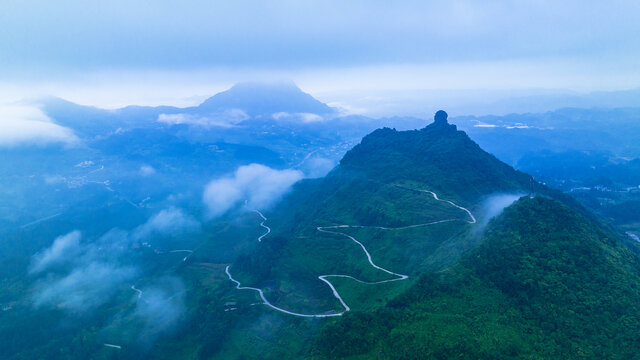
(117, 52)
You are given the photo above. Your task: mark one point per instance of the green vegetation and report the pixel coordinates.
(439, 155)
(543, 280)
(545, 283)
(377, 183)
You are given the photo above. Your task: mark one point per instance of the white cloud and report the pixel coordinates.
(495, 204)
(21, 125)
(63, 247)
(161, 308)
(171, 220)
(97, 269)
(316, 167)
(298, 117)
(85, 287)
(259, 185)
(147, 170)
(225, 119)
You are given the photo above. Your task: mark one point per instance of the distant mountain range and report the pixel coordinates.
(418, 243)
(259, 114)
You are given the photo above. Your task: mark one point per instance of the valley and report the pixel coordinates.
(317, 245)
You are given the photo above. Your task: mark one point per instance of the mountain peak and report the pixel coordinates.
(440, 117)
(439, 155)
(265, 99)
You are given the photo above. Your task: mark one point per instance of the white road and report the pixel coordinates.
(133, 287)
(266, 302)
(633, 236)
(187, 251)
(40, 220)
(263, 225)
(324, 278)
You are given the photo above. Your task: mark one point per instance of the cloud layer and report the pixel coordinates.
(495, 204)
(168, 221)
(23, 125)
(88, 274)
(298, 117)
(160, 308)
(286, 33)
(63, 247)
(256, 184)
(85, 287)
(147, 170)
(225, 119)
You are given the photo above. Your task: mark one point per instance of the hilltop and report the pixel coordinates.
(411, 198)
(436, 281)
(438, 155)
(265, 99)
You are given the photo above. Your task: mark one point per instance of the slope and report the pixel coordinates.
(400, 203)
(545, 283)
(265, 99)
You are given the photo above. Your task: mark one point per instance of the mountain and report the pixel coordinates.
(265, 99)
(343, 260)
(436, 177)
(545, 283)
(437, 158)
(438, 155)
(393, 254)
(395, 248)
(513, 136)
(243, 101)
(277, 116)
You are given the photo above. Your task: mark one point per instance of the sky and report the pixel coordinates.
(113, 53)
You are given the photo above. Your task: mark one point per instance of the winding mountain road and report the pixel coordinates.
(134, 288)
(324, 278)
(263, 225)
(187, 251)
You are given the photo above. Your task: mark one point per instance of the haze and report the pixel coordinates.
(365, 57)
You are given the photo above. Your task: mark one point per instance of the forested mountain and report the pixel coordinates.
(544, 279)
(397, 239)
(545, 283)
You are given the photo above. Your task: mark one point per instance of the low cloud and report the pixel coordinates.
(85, 287)
(316, 167)
(167, 221)
(160, 308)
(260, 186)
(147, 170)
(495, 204)
(25, 125)
(298, 117)
(89, 274)
(63, 247)
(225, 119)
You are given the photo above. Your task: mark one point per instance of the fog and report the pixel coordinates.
(316, 167)
(61, 250)
(167, 221)
(224, 119)
(494, 205)
(160, 308)
(85, 287)
(22, 125)
(76, 274)
(260, 186)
